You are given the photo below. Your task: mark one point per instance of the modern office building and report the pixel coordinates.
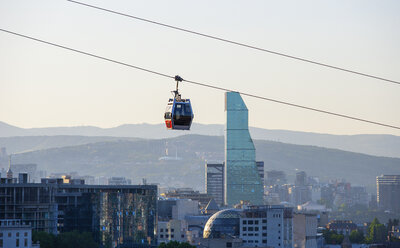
(215, 182)
(242, 180)
(122, 215)
(388, 192)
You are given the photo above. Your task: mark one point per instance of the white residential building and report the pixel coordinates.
(267, 226)
(13, 233)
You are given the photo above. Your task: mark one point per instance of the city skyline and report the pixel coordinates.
(42, 86)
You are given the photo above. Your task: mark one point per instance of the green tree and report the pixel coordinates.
(75, 240)
(176, 244)
(377, 232)
(45, 239)
(356, 237)
(332, 237)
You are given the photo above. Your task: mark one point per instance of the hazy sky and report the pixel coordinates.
(44, 86)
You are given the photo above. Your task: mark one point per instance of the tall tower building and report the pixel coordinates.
(388, 192)
(242, 180)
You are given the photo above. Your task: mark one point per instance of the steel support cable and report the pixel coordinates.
(239, 43)
(198, 83)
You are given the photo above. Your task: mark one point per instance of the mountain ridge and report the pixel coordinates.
(373, 144)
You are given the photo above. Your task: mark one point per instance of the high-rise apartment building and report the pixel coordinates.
(242, 180)
(388, 192)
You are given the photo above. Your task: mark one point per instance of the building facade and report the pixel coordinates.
(215, 182)
(121, 215)
(305, 230)
(388, 192)
(242, 180)
(14, 233)
(267, 226)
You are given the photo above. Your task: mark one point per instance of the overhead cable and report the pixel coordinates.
(198, 83)
(239, 43)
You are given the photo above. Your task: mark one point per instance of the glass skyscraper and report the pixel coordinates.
(242, 180)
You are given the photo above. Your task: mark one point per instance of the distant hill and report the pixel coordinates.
(138, 159)
(18, 144)
(372, 144)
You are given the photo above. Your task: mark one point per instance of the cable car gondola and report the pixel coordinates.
(179, 113)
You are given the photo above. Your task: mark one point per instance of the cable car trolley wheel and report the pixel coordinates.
(178, 114)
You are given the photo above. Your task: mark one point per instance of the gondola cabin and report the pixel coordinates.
(179, 114)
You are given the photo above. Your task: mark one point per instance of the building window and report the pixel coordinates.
(172, 230)
(17, 234)
(1, 243)
(161, 236)
(166, 236)
(264, 228)
(9, 234)
(172, 236)
(182, 236)
(245, 222)
(26, 234)
(250, 222)
(264, 241)
(264, 221)
(1, 234)
(264, 234)
(256, 222)
(161, 230)
(244, 228)
(228, 244)
(25, 242)
(256, 228)
(250, 228)
(17, 243)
